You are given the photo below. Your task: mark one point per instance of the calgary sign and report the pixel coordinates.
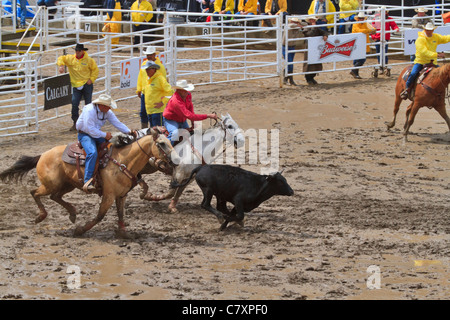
(337, 48)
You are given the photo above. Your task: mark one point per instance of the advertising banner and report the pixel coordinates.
(337, 48)
(58, 91)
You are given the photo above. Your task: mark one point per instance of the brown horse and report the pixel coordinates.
(430, 93)
(58, 178)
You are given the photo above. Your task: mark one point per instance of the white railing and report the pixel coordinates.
(205, 53)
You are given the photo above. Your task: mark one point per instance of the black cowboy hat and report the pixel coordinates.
(80, 47)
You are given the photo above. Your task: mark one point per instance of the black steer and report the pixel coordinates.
(245, 189)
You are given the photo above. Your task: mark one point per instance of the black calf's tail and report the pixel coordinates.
(19, 169)
(174, 185)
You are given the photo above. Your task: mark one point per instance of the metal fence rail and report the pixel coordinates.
(221, 51)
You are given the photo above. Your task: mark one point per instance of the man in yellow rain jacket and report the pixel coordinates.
(141, 17)
(113, 16)
(275, 7)
(151, 53)
(83, 72)
(223, 7)
(361, 27)
(247, 7)
(347, 5)
(157, 93)
(426, 46)
(323, 9)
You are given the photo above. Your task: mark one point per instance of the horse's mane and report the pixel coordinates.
(120, 140)
(441, 72)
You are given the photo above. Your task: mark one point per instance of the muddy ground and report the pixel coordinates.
(362, 198)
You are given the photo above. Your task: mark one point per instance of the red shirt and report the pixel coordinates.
(389, 25)
(179, 110)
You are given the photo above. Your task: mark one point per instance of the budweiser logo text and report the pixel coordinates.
(344, 49)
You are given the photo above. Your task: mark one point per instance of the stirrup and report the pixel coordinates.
(88, 186)
(404, 94)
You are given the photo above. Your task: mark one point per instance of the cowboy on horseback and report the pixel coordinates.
(89, 123)
(426, 45)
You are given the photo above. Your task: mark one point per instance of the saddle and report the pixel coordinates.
(75, 154)
(422, 75)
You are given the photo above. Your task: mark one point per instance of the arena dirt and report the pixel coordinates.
(362, 198)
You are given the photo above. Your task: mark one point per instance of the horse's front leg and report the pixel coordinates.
(106, 203)
(121, 231)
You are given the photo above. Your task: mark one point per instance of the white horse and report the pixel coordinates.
(199, 148)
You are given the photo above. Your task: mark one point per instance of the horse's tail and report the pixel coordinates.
(174, 185)
(19, 169)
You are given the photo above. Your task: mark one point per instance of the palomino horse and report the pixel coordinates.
(58, 178)
(225, 132)
(430, 93)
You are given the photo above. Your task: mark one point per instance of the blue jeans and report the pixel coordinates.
(290, 57)
(86, 92)
(378, 47)
(90, 146)
(224, 18)
(143, 113)
(23, 11)
(341, 28)
(155, 119)
(173, 129)
(414, 73)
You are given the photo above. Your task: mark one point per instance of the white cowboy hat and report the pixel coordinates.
(106, 100)
(421, 10)
(429, 26)
(150, 50)
(150, 64)
(313, 18)
(361, 15)
(296, 20)
(184, 85)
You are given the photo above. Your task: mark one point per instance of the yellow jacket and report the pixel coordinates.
(140, 17)
(142, 76)
(281, 3)
(329, 7)
(156, 90)
(81, 70)
(364, 27)
(426, 47)
(229, 7)
(250, 6)
(348, 5)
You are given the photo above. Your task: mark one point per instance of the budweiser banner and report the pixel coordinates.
(337, 48)
(412, 34)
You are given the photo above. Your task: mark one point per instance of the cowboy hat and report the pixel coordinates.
(361, 15)
(429, 26)
(421, 10)
(313, 18)
(150, 65)
(105, 100)
(183, 85)
(150, 50)
(80, 47)
(296, 20)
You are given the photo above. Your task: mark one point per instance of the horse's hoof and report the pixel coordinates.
(173, 210)
(72, 218)
(79, 231)
(40, 219)
(122, 234)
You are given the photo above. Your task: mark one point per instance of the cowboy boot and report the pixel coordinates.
(144, 125)
(291, 81)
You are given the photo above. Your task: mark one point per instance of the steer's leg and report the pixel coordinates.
(206, 204)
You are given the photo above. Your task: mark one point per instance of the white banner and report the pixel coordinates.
(411, 36)
(337, 48)
(129, 71)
